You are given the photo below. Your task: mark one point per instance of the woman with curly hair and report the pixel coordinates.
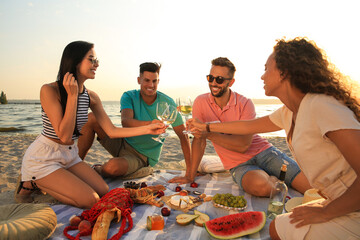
(321, 118)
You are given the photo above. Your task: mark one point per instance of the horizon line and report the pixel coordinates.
(255, 100)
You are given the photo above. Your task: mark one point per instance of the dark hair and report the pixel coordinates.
(307, 68)
(150, 67)
(224, 62)
(73, 54)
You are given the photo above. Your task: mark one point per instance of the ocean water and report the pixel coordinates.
(24, 116)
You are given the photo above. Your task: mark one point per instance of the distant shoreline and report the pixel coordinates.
(34, 101)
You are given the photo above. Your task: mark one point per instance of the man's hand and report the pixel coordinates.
(195, 124)
(199, 134)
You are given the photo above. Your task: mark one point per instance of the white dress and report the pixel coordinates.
(321, 162)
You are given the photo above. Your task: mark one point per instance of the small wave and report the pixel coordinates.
(11, 129)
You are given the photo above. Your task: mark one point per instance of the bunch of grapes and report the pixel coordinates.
(230, 200)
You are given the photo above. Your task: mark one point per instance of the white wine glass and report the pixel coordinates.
(167, 114)
(185, 108)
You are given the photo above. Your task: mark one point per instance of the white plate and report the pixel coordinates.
(293, 202)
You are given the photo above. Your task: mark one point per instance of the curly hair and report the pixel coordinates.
(307, 68)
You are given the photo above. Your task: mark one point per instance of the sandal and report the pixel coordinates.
(24, 198)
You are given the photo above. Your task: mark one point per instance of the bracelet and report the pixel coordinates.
(208, 127)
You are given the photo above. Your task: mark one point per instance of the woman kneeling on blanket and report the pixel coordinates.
(52, 163)
(321, 118)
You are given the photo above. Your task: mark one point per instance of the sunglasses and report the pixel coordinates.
(218, 79)
(94, 61)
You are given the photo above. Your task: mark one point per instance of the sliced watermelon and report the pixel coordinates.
(236, 225)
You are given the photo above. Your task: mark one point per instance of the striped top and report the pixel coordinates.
(81, 116)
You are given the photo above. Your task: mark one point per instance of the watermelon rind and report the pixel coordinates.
(236, 225)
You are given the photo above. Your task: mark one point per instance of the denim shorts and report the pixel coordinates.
(270, 160)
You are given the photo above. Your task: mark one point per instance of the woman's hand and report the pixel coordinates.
(71, 85)
(308, 214)
(156, 128)
(195, 125)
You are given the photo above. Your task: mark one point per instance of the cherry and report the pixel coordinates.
(160, 193)
(143, 185)
(178, 189)
(165, 211)
(194, 185)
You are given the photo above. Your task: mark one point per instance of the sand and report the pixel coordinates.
(13, 147)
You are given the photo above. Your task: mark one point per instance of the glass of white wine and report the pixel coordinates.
(185, 108)
(167, 114)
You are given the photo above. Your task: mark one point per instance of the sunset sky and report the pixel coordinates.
(184, 36)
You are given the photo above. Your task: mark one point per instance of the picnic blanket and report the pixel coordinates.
(209, 184)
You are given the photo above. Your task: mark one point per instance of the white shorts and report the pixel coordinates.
(45, 156)
(344, 227)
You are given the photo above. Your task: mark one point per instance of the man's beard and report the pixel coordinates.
(222, 91)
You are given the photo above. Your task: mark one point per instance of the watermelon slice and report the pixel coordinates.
(236, 225)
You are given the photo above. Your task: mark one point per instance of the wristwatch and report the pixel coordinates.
(208, 127)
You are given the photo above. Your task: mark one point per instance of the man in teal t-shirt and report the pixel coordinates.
(138, 107)
(131, 101)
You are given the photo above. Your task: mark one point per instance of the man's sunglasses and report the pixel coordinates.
(218, 79)
(94, 61)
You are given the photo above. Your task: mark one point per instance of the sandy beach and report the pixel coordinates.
(12, 148)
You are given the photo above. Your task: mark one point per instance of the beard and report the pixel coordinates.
(221, 92)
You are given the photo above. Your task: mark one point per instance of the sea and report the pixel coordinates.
(24, 116)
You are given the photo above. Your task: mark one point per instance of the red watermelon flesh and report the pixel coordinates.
(236, 225)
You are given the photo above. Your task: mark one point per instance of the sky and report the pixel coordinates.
(184, 36)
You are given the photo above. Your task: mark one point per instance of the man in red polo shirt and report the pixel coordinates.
(253, 162)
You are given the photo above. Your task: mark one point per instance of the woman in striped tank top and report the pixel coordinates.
(51, 162)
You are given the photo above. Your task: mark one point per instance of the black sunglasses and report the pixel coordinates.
(94, 61)
(218, 79)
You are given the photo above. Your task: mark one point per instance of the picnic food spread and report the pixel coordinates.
(230, 226)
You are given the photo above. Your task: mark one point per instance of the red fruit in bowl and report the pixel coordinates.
(143, 184)
(194, 185)
(165, 211)
(160, 193)
(178, 189)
